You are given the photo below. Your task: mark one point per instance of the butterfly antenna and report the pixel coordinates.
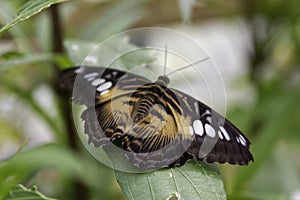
(165, 61)
(187, 66)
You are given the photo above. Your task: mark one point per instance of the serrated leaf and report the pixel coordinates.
(29, 9)
(194, 180)
(21, 192)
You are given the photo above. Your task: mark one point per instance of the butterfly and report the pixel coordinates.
(155, 126)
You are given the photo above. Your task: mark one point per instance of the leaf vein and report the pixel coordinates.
(129, 190)
(150, 187)
(175, 182)
(191, 182)
(209, 181)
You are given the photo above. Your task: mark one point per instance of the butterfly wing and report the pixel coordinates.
(106, 93)
(153, 142)
(94, 85)
(215, 138)
(177, 128)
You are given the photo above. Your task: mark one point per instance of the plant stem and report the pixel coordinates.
(80, 190)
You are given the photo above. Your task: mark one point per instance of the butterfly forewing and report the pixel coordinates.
(216, 139)
(156, 126)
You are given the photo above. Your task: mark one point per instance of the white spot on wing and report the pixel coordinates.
(114, 73)
(90, 78)
(207, 112)
(225, 133)
(79, 70)
(191, 130)
(237, 140)
(210, 131)
(104, 92)
(97, 81)
(243, 140)
(208, 119)
(104, 86)
(220, 135)
(198, 127)
(93, 74)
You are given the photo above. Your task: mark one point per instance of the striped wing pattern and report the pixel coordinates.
(156, 126)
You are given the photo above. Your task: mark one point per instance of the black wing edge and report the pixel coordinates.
(232, 150)
(84, 92)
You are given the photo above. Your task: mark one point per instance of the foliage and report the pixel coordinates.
(22, 192)
(29, 9)
(193, 180)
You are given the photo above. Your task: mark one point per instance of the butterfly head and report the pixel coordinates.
(163, 80)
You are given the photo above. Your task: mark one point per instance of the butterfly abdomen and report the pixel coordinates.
(142, 107)
(147, 96)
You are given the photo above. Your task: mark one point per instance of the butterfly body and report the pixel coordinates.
(155, 125)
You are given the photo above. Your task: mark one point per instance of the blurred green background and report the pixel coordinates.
(255, 44)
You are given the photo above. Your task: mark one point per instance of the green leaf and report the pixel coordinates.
(21, 192)
(27, 97)
(29, 9)
(8, 132)
(15, 169)
(194, 180)
(28, 59)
